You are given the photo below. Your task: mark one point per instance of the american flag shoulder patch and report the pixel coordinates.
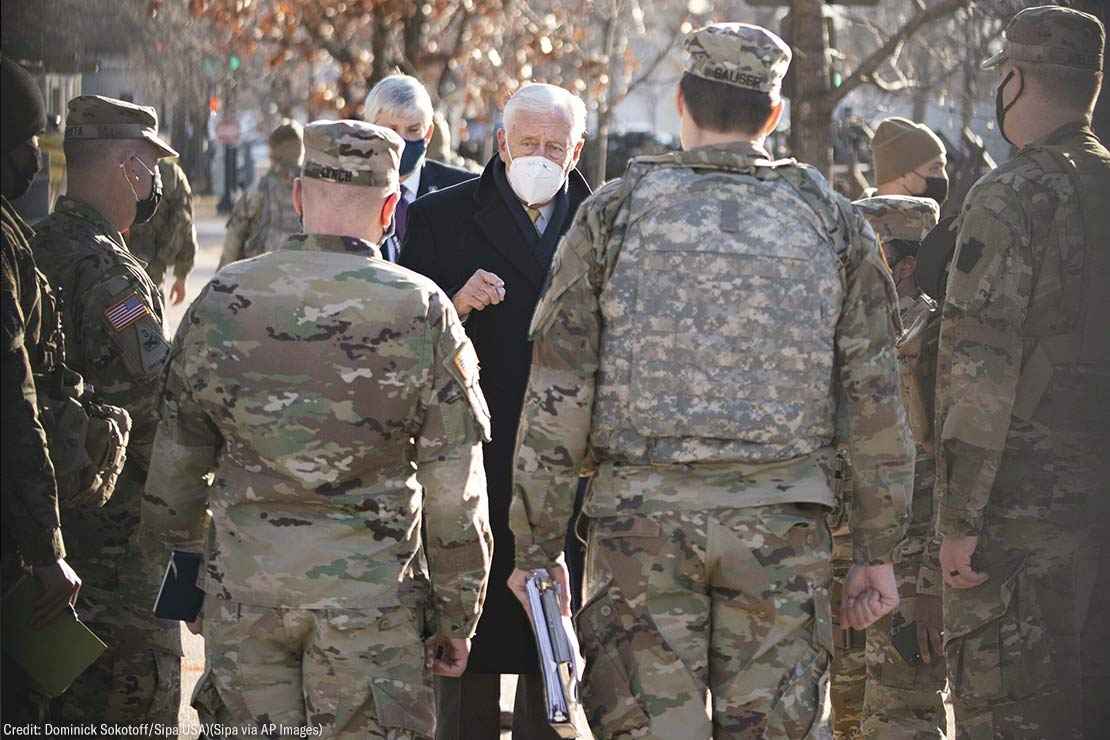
(126, 312)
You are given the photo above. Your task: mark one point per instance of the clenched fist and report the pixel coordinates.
(481, 290)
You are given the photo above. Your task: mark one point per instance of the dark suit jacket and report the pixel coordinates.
(434, 176)
(451, 234)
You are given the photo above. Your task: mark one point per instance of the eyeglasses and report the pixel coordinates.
(138, 159)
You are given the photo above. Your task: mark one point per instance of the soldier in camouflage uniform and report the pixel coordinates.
(1023, 395)
(708, 409)
(902, 699)
(112, 317)
(170, 238)
(32, 531)
(335, 398)
(264, 218)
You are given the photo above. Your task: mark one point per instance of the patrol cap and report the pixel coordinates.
(97, 117)
(739, 54)
(899, 216)
(1050, 34)
(353, 153)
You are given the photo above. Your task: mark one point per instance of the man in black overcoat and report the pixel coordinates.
(488, 244)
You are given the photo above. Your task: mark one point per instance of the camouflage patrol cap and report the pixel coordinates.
(92, 117)
(739, 54)
(1049, 34)
(899, 216)
(352, 152)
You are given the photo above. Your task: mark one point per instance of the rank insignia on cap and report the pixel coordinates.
(125, 313)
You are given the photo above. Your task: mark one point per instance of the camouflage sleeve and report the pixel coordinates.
(30, 493)
(185, 446)
(241, 224)
(184, 232)
(134, 355)
(558, 403)
(929, 580)
(449, 467)
(869, 405)
(980, 356)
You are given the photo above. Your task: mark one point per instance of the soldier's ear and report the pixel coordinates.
(388, 208)
(298, 197)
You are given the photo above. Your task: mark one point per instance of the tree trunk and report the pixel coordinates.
(811, 110)
(922, 92)
(605, 100)
(379, 41)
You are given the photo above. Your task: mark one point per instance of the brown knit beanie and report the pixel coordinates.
(901, 146)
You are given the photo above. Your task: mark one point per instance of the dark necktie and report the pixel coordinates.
(401, 216)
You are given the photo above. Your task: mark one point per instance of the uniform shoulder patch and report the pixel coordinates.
(466, 362)
(970, 253)
(126, 312)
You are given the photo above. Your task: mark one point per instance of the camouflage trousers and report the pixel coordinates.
(138, 679)
(903, 701)
(1013, 645)
(707, 624)
(351, 673)
(849, 667)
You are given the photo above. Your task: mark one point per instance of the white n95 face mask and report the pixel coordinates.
(535, 179)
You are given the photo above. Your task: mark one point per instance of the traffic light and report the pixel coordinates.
(234, 62)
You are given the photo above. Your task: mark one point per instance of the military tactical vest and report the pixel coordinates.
(1065, 377)
(87, 439)
(277, 221)
(720, 315)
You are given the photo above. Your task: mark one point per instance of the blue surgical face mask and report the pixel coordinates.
(413, 153)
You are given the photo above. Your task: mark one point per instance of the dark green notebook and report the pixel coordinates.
(54, 655)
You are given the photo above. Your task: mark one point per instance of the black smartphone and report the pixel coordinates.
(904, 637)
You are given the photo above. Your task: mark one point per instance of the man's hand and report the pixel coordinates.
(870, 593)
(928, 615)
(481, 290)
(955, 562)
(196, 626)
(558, 571)
(60, 586)
(446, 656)
(177, 292)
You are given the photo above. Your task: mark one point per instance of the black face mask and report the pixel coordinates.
(936, 188)
(1001, 110)
(146, 207)
(20, 167)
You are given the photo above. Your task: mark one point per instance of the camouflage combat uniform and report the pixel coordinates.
(112, 318)
(905, 218)
(1023, 403)
(32, 530)
(170, 238)
(263, 218)
(707, 407)
(335, 398)
(903, 700)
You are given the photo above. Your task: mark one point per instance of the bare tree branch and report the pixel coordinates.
(868, 67)
(649, 69)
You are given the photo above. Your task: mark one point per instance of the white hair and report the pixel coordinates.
(401, 96)
(541, 98)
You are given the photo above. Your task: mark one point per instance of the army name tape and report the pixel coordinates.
(110, 131)
(316, 171)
